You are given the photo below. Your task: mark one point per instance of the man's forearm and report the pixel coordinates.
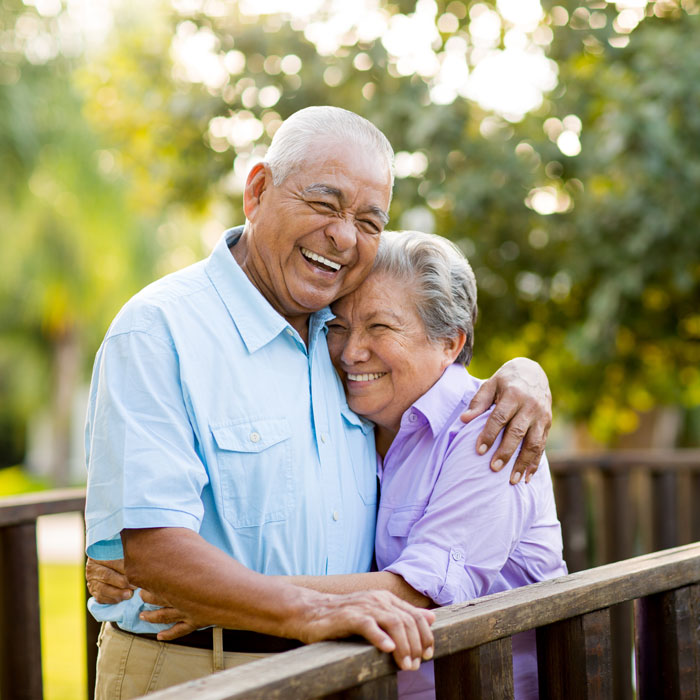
(352, 583)
(211, 587)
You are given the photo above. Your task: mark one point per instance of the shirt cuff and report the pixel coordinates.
(103, 539)
(437, 573)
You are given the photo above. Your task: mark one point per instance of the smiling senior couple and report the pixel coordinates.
(229, 471)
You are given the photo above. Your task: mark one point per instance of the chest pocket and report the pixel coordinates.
(254, 459)
(402, 520)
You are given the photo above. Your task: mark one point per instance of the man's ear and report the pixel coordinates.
(259, 179)
(453, 346)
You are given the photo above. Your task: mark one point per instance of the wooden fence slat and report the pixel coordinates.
(482, 673)
(695, 500)
(618, 521)
(664, 510)
(20, 637)
(574, 658)
(668, 644)
(571, 509)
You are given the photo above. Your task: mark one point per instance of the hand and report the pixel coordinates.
(520, 390)
(107, 581)
(382, 618)
(167, 615)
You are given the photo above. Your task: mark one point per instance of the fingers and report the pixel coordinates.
(106, 581)
(153, 599)
(500, 417)
(382, 618)
(531, 453)
(179, 629)
(481, 401)
(162, 616)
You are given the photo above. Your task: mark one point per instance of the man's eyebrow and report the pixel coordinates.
(320, 188)
(377, 211)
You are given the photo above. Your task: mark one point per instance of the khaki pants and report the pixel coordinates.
(129, 666)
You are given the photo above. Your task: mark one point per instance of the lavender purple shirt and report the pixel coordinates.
(455, 530)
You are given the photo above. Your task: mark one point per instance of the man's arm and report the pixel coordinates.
(180, 567)
(520, 390)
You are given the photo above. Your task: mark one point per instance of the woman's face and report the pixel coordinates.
(381, 350)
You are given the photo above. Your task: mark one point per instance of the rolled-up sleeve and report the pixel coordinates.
(143, 467)
(456, 549)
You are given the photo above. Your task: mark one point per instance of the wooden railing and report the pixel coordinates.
(473, 650)
(612, 506)
(20, 635)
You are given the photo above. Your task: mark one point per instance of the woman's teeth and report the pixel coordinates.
(319, 258)
(365, 377)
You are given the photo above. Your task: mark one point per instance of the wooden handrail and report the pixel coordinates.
(28, 507)
(331, 667)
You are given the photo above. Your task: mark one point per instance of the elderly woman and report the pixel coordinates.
(400, 344)
(448, 528)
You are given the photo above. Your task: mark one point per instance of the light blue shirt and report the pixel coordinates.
(207, 411)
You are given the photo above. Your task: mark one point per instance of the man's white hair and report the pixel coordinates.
(295, 140)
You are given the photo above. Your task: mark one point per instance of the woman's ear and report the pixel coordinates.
(453, 346)
(259, 179)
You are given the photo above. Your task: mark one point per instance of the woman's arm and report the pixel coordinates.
(352, 583)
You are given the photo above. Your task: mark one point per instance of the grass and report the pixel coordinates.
(63, 610)
(62, 631)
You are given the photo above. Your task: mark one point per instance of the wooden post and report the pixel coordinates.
(668, 644)
(20, 637)
(619, 543)
(482, 673)
(574, 658)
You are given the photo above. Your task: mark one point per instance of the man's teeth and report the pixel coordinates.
(319, 258)
(365, 377)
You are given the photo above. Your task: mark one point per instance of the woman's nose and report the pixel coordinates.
(355, 350)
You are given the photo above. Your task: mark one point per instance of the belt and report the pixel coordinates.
(234, 640)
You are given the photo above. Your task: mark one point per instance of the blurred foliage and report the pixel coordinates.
(119, 168)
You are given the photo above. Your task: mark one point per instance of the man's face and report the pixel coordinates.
(313, 238)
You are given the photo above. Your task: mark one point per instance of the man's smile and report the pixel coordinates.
(320, 261)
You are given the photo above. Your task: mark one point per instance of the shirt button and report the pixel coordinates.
(336, 515)
(456, 555)
(323, 437)
(412, 417)
(255, 437)
(290, 331)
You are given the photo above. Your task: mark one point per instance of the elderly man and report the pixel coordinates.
(220, 445)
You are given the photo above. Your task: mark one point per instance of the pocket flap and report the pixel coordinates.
(401, 521)
(251, 436)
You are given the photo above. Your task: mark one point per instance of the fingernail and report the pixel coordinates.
(142, 616)
(515, 478)
(407, 664)
(415, 665)
(126, 595)
(497, 465)
(527, 478)
(428, 653)
(388, 645)
(482, 449)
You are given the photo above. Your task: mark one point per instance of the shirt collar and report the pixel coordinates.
(438, 404)
(256, 321)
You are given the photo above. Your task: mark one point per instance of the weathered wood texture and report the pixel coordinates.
(20, 635)
(574, 658)
(482, 673)
(668, 644)
(332, 667)
(20, 638)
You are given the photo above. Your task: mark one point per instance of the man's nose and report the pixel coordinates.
(342, 233)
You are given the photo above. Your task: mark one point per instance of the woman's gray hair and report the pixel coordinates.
(441, 281)
(300, 133)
